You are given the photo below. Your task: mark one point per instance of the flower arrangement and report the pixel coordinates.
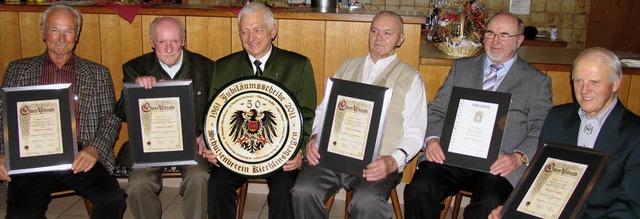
(460, 29)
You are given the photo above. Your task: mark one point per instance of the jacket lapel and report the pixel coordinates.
(609, 131)
(511, 80)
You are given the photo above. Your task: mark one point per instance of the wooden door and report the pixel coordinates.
(613, 25)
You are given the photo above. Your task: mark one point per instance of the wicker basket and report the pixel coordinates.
(465, 49)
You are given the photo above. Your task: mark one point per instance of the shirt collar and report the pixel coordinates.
(600, 117)
(263, 60)
(173, 69)
(505, 66)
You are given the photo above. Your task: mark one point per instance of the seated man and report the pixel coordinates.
(598, 120)
(499, 69)
(404, 130)
(257, 29)
(29, 194)
(170, 61)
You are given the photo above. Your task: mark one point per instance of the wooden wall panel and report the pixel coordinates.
(236, 42)
(121, 42)
(633, 102)
(561, 87)
(30, 36)
(10, 43)
(146, 22)
(624, 94)
(297, 35)
(342, 44)
(433, 77)
(209, 36)
(411, 45)
(88, 46)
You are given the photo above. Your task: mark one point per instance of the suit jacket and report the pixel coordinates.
(194, 66)
(98, 125)
(290, 69)
(530, 101)
(617, 194)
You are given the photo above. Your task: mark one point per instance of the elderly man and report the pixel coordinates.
(90, 174)
(404, 130)
(600, 121)
(257, 29)
(170, 61)
(500, 69)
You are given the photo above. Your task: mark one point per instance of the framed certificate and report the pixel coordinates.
(161, 123)
(353, 125)
(39, 128)
(473, 127)
(557, 182)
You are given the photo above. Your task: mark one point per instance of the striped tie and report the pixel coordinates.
(491, 79)
(258, 69)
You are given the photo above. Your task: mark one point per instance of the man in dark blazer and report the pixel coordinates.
(29, 194)
(257, 29)
(530, 102)
(170, 61)
(598, 120)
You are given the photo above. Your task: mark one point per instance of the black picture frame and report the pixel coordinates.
(182, 89)
(595, 160)
(470, 162)
(381, 96)
(11, 96)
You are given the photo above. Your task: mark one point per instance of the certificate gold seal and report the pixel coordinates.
(253, 126)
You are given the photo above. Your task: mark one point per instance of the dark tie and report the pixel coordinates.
(490, 82)
(258, 69)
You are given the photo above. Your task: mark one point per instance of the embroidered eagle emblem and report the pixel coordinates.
(252, 129)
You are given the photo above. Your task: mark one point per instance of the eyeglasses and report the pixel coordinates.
(501, 37)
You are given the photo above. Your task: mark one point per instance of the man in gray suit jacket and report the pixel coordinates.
(530, 102)
(90, 175)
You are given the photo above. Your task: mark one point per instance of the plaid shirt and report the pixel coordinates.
(99, 127)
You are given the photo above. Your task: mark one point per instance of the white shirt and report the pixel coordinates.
(414, 113)
(590, 127)
(173, 70)
(263, 60)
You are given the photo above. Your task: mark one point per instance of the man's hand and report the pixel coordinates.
(495, 214)
(146, 81)
(210, 156)
(200, 144)
(313, 156)
(85, 160)
(506, 164)
(293, 163)
(434, 152)
(380, 168)
(4, 174)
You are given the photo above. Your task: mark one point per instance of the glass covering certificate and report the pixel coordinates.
(552, 188)
(39, 128)
(350, 128)
(473, 128)
(161, 124)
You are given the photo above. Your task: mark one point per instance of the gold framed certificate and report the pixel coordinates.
(557, 182)
(161, 123)
(40, 129)
(351, 134)
(253, 125)
(473, 127)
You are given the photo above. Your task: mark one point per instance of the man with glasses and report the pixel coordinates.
(501, 70)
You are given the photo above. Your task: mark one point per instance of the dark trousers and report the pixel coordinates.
(433, 182)
(29, 194)
(222, 193)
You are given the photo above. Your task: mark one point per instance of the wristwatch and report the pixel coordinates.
(406, 155)
(523, 157)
